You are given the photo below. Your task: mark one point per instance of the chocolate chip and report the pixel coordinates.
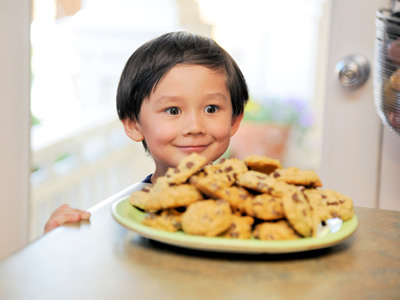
(176, 170)
(334, 215)
(276, 174)
(234, 234)
(243, 196)
(295, 198)
(228, 169)
(189, 165)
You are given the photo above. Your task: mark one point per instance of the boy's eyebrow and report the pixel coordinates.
(217, 94)
(166, 98)
(176, 97)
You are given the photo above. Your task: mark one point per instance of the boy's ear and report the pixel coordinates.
(132, 129)
(236, 120)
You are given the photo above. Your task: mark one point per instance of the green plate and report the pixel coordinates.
(131, 218)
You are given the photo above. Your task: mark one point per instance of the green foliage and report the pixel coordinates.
(34, 120)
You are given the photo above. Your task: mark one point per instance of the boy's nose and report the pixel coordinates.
(193, 124)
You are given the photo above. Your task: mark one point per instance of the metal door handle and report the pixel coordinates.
(353, 71)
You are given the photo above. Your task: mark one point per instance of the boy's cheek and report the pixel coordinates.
(161, 135)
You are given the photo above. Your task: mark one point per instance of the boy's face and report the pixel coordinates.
(190, 111)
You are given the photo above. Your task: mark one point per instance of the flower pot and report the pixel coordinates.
(265, 139)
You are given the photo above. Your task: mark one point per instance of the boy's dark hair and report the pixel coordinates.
(150, 62)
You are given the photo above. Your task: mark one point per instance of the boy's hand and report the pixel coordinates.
(65, 214)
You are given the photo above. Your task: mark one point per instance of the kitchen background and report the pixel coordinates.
(79, 153)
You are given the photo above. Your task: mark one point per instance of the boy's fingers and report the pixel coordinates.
(62, 217)
(50, 225)
(85, 215)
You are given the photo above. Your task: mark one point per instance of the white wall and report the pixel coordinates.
(14, 124)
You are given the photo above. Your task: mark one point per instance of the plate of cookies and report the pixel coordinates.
(248, 206)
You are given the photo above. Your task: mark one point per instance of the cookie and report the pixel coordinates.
(298, 212)
(186, 168)
(207, 217)
(235, 195)
(297, 176)
(330, 204)
(395, 80)
(233, 167)
(241, 228)
(210, 184)
(262, 183)
(163, 195)
(275, 231)
(262, 164)
(139, 198)
(167, 220)
(264, 207)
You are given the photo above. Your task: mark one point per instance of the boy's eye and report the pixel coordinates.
(211, 109)
(173, 110)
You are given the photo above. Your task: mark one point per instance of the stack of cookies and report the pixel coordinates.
(243, 199)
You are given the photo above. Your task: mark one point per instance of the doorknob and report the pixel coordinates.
(353, 71)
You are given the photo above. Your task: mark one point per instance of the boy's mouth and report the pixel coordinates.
(193, 148)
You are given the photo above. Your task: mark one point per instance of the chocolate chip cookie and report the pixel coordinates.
(275, 231)
(298, 212)
(167, 220)
(297, 177)
(264, 207)
(207, 217)
(139, 198)
(262, 164)
(262, 183)
(186, 168)
(163, 195)
(241, 228)
(330, 204)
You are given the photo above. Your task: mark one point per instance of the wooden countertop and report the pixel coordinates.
(101, 259)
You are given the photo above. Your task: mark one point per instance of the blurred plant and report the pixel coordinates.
(290, 112)
(34, 120)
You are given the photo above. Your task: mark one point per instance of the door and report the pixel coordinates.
(360, 157)
(14, 124)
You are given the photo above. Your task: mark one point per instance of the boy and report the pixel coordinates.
(179, 93)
